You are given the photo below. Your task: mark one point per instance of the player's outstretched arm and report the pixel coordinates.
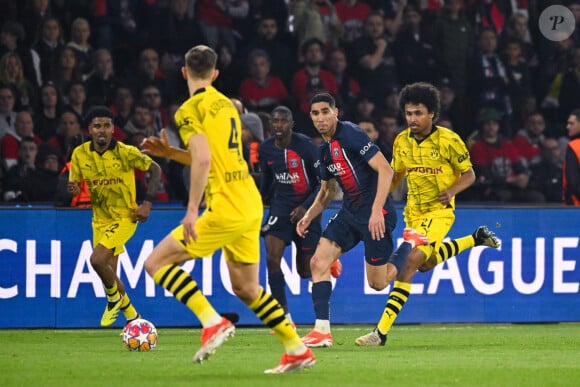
(159, 147)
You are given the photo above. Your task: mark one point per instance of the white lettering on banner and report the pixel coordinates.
(82, 276)
(449, 272)
(34, 269)
(479, 284)
(10, 245)
(560, 265)
(485, 272)
(518, 269)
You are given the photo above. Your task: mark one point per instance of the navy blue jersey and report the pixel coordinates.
(290, 174)
(345, 158)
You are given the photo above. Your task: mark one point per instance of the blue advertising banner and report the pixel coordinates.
(46, 279)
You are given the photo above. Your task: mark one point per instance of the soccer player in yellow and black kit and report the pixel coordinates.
(437, 165)
(108, 168)
(209, 124)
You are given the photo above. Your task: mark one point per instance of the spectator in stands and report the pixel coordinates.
(502, 172)
(364, 109)
(41, 185)
(69, 127)
(450, 108)
(12, 37)
(66, 71)
(315, 19)
(519, 86)
(9, 144)
(352, 14)
(374, 60)
(267, 38)
(517, 28)
(48, 112)
(12, 74)
(7, 113)
(24, 169)
(102, 83)
(453, 42)
(33, 15)
(489, 77)
(216, 19)
(79, 42)
(262, 91)
(312, 78)
(485, 14)
(414, 51)
(529, 140)
(178, 33)
(571, 168)
(149, 73)
(231, 71)
(547, 174)
(75, 99)
(49, 46)
(152, 97)
(140, 122)
(348, 87)
(122, 106)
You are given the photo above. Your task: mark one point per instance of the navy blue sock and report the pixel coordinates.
(399, 257)
(278, 287)
(321, 299)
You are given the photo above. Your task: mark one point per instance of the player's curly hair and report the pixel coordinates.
(98, 111)
(421, 93)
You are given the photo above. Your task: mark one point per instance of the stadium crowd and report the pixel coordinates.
(505, 89)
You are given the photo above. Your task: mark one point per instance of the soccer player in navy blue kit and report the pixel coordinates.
(367, 213)
(290, 182)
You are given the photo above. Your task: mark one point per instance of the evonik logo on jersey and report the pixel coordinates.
(426, 170)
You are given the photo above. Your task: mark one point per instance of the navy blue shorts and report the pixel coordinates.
(282, 228)
(346, 231)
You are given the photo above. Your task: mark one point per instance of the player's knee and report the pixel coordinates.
(377, 285)
(246, 294)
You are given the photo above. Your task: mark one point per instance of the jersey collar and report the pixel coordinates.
(111, 146)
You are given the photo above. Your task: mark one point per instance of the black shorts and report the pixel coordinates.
(282, 228)
(346, 231)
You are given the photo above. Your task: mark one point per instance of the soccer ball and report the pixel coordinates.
(140, 335)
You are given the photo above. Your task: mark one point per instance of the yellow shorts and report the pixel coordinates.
(239, 238)
(114, 235)
(435, 225)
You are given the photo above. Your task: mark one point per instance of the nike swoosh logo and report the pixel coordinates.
(375, 259)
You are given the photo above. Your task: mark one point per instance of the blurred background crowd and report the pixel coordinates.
(505, 88)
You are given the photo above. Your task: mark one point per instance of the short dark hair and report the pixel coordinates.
(309, 42)
(576, 112)
(323, 97)
(421, 93)
(282, 110)
(98, 111)
(200, 61)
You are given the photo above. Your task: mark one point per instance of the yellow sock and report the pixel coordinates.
(112, 292)
(184, 288)
(127, 307)
(397, 299)
(453, 247)
(271, 313)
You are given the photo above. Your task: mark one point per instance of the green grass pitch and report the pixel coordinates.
(416, 355)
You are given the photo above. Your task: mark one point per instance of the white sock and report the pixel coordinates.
(322, 326)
